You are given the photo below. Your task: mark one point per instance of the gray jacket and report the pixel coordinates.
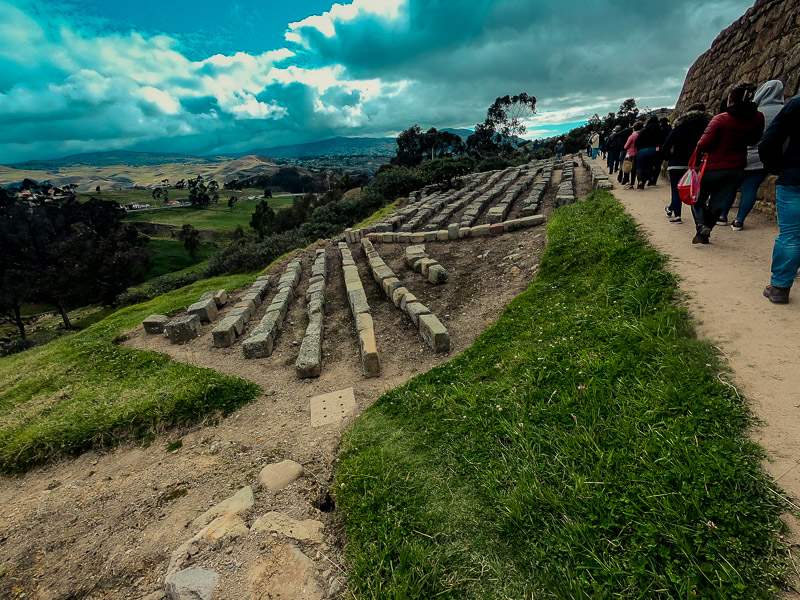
(769, 98)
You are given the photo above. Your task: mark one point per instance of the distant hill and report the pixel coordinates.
(114, 158)
(338, 146)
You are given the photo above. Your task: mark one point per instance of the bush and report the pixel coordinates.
(493, 163)
(252, 256)
(160, 285)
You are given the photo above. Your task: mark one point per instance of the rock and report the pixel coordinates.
(307, 530)
(224, 528)
(434, 333)
(286, 573)
(424, 265)
(191, 584)
(206, 310)
(277, 476)
(183, 329)
(437, 274)
(240, 502)
(414, 310)
(397, 295)
(155, 323)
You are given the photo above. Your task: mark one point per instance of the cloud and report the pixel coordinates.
(368, 67)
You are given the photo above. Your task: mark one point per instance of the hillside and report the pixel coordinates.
(338, 146)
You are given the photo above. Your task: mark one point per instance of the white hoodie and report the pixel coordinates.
(769, 98)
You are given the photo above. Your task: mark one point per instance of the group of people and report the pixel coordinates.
(752, 135)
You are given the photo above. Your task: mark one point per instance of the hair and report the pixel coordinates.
(663, 120)
(697, 106)
(742, 92)
(638, 126)
(652, 120)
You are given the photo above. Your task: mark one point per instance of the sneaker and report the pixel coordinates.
(705, 230)
(737, 225)
(777, 295)
(668, 211)
(675, 220)
(721, 219)
(700, 239)
(640, 186)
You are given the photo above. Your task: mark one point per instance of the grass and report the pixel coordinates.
(84, 390)
(169, 255)
(377, 215)
(583, 447)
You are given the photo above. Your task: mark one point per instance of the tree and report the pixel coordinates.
(507, 116)
(97, 189)
(198, 192)
(627, 112)
(231, 201)
(263, 219)
(267, 193)
(191, 240)
(180, 184)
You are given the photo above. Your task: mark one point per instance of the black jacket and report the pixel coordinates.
(650, 137)
(777, 158)
(682, 140)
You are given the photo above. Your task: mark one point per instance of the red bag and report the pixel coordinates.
(689, 185)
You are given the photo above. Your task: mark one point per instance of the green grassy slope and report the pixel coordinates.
(583, 447)
(84, 390)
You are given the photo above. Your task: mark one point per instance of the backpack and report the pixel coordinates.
(689, 184)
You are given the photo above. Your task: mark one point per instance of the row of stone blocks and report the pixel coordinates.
(309, 360)
(600, 179)
(370, 363)
(499, 211)
(418, 260)
(566, 189)
(430, 328)
(454, 232)
(234, 323)
(187, 327)
(497, 185)
(262, 338)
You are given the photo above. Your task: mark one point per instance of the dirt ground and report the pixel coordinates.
(104, 525)
(723, 284)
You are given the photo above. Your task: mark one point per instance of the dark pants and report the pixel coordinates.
(613, 162)
(632, 175)
(716, 189)
(675, 204)
(645, 165)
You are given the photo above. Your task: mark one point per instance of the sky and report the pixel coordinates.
(211, 77)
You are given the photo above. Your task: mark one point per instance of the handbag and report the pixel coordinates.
(627, 165)
(689, 184)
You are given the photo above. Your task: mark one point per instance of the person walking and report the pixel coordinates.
(623, 136)
(631, 153)
(595, 144)
(678, 149)
(559, 149)
(647, 145)
(769, 98)
(779, 151)
(725, 143)
(613, 146)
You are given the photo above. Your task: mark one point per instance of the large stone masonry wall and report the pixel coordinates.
(761, 45)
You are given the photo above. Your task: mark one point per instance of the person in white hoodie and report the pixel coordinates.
(769, 98)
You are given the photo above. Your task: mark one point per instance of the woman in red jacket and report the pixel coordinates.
(725, 143)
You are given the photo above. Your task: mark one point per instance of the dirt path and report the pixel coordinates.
(723, 283)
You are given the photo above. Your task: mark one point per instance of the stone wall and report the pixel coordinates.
(762, 44)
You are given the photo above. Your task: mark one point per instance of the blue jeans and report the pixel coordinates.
(675, 204)
(750, 184)
(717, 188)
(786, 252)
(645, 164)
(594, 152)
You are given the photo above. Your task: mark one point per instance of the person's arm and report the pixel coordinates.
(770, 150)
(666, 147)
(757, 132)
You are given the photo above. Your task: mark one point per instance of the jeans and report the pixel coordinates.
(626, 177)
(594, 152)
(786, 252)
(612, 162)
(716, 189)
(675, 204)
(750, 183)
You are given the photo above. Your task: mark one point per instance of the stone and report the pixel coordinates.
(382, 273)
(309, 359)
(253, 297)
(532, 221)
(390, 284)
(307, 530)
(480, 231)
(206, 310)
(155, 323)
(277, 476)
(452, 231)
(225, 528)
(417, 237)
(434, 333)
(191, 584)
(406, 300)
(240, 502)
(249, 305)
(414, 310)
(220, 298)
(224, 334)
(286, 573)
(313, 288)
(183, 329)
(442, 235)
(397, 295)
(464, 232)
(258, 345)
(370, 363)
(497, 229)
(332, 408)
(430, 236)
(358, 301)
(437, 274)
(425, 264)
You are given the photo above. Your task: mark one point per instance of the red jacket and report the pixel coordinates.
(727, 137)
